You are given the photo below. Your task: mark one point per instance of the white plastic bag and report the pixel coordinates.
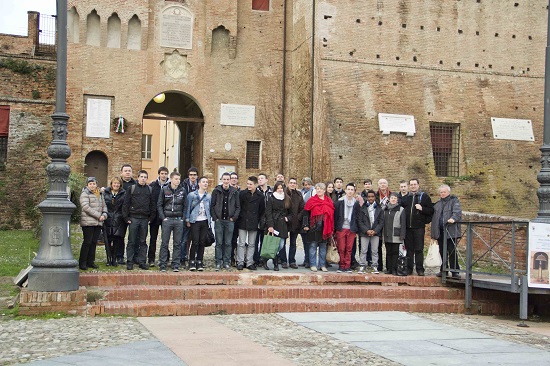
(433, 259)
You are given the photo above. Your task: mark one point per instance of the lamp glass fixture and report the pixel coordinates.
(159, 98)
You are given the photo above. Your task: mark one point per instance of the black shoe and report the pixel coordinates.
(129, 266)
(409, 272)
(394, 273)
(456, 275)
(329, 265)
(420, 272)
(200, 266)
(152, 263)
(266, 267)
(227, 267)
(144, 266)
(120, 260)
(93, 265)
(183, 263)
(387, 272)
(275, 264)
(84, 268)
(192, 266)
(252, 267)
(293, 266)
(240, 267)
(354, 265)
(285, 265)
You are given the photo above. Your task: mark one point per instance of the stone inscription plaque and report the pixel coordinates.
(176, 28)
(512, 129)
(98, 117)
(238, 115)
(396, 123)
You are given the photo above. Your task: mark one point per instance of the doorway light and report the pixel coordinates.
(159, 98)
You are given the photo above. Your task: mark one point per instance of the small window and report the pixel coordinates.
(445, 147)
(262, 5)
(4, 128)
(146, 141)
(253, 149)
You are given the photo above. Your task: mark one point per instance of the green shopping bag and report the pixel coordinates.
(270, 246)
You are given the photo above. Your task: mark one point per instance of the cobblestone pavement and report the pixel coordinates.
(23, 341)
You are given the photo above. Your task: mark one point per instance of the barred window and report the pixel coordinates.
(260, 5)
(445, 148)
(253, 154)
(146, 141)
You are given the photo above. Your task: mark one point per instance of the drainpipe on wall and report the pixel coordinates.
(283, 102)
(312, 91)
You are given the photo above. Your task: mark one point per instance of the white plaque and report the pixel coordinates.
(98, 118)
(512, 129)
(539, 254)
(238, 115)
(396, 123)
(176, 28)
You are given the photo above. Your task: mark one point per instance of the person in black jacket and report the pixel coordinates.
(419, 210)
(138, 211)
(395, 229)
(252, 208)
(278, 215)
(295, 225)
(346, 213)
(371, 223)
(156, 186)
(114, 227)
(189, 184)
(171, 212)
(224, 210)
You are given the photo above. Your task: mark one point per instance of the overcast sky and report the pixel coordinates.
(13, 14)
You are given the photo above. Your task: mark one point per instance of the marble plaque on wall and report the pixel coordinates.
(176, 28)
(396, 123)
(238, 115)
(512, 129)
(98, 117)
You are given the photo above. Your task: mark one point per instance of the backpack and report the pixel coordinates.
(133, 188)
(427, 218)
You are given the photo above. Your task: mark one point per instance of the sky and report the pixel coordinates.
(13, 14)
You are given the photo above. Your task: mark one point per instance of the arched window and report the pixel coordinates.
(134, 33)
(73, 24)
(93, 31)
(113, 31)
(220, 41)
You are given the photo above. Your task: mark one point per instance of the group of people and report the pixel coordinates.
(321, 214)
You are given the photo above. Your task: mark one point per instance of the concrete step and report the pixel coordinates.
(268, 278)
(257, 306)
(208, 292)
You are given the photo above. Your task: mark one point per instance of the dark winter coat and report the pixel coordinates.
(395, 224)
(276, 213)
(139, 204)
(156, 186)
(364, 222)
(445, 209)
(267, 196)
(115, 221)
(233, 205)
(339, 212)
(417, 219)
(126, 185)
(252, 209)
(296, 209)
(171, 202)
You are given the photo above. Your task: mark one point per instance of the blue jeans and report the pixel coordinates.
(322, 254)
(170, 225)
(136, 250)
(184, 243)
(224, 236)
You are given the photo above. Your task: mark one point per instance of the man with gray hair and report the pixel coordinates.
(307, 191)
(447, 214)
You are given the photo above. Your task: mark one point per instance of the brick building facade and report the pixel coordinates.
(318, 91)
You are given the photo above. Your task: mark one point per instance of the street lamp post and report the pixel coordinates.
(54, 267)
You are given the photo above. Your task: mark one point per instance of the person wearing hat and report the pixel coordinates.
(94, 212)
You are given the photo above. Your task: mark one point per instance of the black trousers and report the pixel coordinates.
(198, 236)
(392, 253)
(153, 235)
(452, 258)
(89, 243)
(414, 243)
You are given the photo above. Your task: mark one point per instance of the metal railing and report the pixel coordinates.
(493, 256)
(46, 34)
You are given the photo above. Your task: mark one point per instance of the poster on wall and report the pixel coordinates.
(98, 117)
(539, 252)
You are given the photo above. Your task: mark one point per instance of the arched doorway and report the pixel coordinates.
(172, 133)
(96, 164)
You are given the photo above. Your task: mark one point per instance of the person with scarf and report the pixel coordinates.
(395, 226)
(345, 225)
(319, 225)
(114, 226)
(278, 216)
(94, 212)
(371, 222)
(447, 213)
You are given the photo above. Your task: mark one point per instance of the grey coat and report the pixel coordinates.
(445, 209)
(93, 208)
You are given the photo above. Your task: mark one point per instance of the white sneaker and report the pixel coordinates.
(375, 270)
(324, 269)
(314, 269)
(361, 269)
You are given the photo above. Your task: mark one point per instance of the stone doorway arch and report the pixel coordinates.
(96, 165)
(173, 134)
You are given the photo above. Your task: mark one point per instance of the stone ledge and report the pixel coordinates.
(39, 302)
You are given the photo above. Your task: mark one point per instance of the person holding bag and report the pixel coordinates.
(278, 216)
(395, 226)
(447, 211)
(319, 225)
(198, 219)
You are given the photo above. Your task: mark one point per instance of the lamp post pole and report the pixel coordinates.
(54, 267)
(543, 177)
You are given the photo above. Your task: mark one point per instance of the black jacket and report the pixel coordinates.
(115, 221)
(276, 213)
(127, 185)
(267, 196)
(395, 226)
(418, 219)
(234, 206)
(339, 212)
(171, 202)
(252, 209)
(188, 187)
(139, 204)
(296, 209)
(364, 222)
(156, 187)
